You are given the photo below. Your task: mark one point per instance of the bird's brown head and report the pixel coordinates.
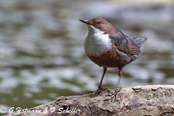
(99, 23)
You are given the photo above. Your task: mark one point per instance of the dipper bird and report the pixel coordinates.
(107, 47)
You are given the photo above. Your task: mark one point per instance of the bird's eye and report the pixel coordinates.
(98, 22)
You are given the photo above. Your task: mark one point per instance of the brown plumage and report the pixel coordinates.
(107, 46)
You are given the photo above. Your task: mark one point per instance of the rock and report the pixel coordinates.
(155, 100)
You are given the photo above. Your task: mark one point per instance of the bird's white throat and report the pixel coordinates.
(96, 42)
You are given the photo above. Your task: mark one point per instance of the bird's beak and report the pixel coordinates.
(84, 21)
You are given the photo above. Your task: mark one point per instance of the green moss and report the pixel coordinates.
(54, 34)
(107, 85)
(22, 53)
(74, 81)
(167, 71)
(44, 80)
(58, 91)
(16, 98)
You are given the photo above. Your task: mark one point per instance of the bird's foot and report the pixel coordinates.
(94, 93)
(114, 95)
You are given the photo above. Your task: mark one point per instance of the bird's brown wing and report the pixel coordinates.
(124, 43)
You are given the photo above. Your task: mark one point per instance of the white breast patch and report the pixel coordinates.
(96, 42)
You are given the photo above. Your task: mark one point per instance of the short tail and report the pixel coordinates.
(139, 41)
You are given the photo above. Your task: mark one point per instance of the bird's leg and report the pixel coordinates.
(118, 83)
(104, 71)
(99, 87)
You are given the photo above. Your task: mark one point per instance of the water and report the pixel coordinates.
(42, 55)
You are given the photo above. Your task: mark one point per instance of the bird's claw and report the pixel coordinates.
(114, 95)
(98, 91)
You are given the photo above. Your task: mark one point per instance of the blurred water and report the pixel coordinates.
(42, 55)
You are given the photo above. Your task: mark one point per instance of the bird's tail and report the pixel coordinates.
(139, 41)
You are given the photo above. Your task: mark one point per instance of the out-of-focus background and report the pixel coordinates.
(42, 55)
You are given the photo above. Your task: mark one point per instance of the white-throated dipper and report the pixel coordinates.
(107, 47)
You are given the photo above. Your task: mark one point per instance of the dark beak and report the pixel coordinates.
(84, 21)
